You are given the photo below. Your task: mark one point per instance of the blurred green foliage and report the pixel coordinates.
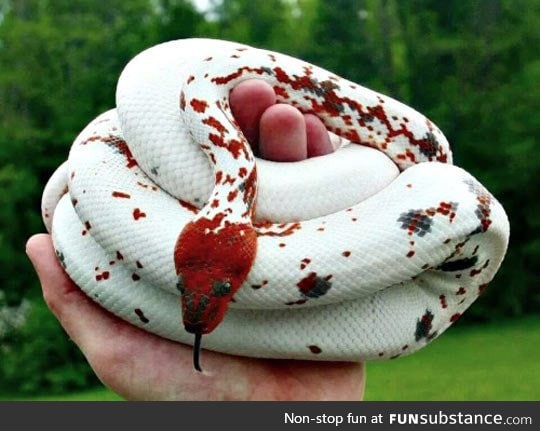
(471, 66)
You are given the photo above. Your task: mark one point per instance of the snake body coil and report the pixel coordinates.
(367, 253)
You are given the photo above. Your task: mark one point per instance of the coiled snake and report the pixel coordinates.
(367, 253)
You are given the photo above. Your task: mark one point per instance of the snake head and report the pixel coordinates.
(212, 261)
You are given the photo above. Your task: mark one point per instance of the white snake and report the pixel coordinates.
(372, 252)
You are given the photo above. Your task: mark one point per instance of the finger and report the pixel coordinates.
(283, 134)
(249, 100)
(318, 140)
(59, 291)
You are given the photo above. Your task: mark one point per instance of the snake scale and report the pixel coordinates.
(162, 214)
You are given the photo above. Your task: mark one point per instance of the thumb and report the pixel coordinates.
(58, 289)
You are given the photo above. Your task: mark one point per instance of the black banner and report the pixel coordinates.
(196, 416)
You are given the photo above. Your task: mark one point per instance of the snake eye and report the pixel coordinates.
(221, 288)
(180, 285)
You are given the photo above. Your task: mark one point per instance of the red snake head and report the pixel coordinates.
(212, 259)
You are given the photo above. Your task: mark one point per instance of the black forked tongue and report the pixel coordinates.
(197, 330)
(197, 352)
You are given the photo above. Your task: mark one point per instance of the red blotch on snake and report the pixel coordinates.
(123, 195)
(313, 286)
(137, 214)
(455, 317)
(103, 276)
(199, 105)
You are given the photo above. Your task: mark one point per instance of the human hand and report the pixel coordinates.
(142, 366)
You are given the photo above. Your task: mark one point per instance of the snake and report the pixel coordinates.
(163, 215)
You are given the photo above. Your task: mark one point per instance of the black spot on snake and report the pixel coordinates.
(141, 315)
(423, 326)
(61, 258)
(429, 145)
(315, 349)
(415, 222)
(458, 265)
(314, 286)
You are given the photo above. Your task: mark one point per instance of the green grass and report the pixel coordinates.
(489, 362)
(98, 394)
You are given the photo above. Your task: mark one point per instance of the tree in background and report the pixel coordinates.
(258, 23)
(473, 67)
(60, 62)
